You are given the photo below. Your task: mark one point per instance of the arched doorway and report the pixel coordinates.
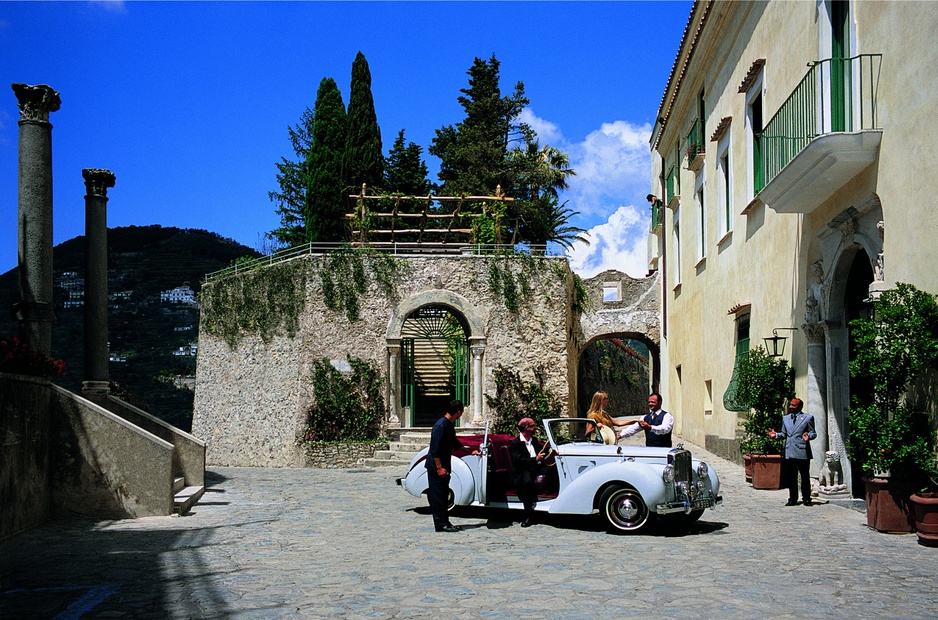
(622, 365)
(856, 306)
(435, 363)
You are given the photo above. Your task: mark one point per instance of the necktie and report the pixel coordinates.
(793, 416)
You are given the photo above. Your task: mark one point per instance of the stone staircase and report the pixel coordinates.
(184, 496)
(404, 445)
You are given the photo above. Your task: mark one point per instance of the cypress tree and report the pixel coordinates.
(363, 161)
(326, 198)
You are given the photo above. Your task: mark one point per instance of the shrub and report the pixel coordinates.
(764, 384)
(16, 358)
(349, 406)
(515, 399)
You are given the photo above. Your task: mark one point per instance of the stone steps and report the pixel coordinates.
(185, 497)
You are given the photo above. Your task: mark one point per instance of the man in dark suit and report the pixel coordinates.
(797, 431)
(527, 455)
(439, 465)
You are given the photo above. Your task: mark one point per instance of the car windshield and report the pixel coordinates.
(569, 431)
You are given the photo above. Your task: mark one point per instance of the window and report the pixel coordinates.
(724, 186)
(708, 397)
(754, 128)
(700, 207)
(742, 351)
(676, 234)
(612, 291)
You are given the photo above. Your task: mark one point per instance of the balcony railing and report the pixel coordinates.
(836, 95)
(694, 142)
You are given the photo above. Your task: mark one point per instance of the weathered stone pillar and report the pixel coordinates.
(34, 310)
(97, 182)
(816, 398)
(477, 348)
(394, 382)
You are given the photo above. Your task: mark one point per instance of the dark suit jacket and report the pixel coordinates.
(521, 461)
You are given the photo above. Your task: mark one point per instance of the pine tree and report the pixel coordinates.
(363, 161)
(405, 173)
(473, 153)
(293, 179)
(326, 195)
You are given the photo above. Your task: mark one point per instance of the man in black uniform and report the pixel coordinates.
(439, 466)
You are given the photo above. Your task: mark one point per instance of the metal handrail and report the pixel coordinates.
(398, 249)
(811, 109)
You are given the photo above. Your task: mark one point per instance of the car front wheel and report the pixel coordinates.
(624, 509)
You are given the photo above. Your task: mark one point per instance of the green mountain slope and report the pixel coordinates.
(149, 339)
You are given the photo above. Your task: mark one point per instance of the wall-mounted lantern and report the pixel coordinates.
(775, 345)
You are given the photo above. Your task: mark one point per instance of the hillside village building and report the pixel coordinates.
(793, 156)
(179, 295)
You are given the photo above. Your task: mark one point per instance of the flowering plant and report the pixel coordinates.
(17, 359)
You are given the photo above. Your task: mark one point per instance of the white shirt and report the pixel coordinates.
(527, 442)
(667, 423)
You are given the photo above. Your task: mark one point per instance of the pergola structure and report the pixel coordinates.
(429, 221)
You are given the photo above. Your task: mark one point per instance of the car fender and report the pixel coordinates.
(461, 482)
(579, 497)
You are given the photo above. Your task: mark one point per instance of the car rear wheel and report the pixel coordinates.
(624, 509)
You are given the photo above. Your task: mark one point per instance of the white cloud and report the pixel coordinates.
(612, 168)
(547, 132)
(619, 243)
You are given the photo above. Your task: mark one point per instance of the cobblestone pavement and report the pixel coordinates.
(303, 543)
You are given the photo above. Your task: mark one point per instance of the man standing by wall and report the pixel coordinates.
(797, 431)
(657, 424)
(439, 466)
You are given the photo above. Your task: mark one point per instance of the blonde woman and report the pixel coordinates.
(602, 418)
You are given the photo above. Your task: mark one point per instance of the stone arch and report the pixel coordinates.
(654, 354)
(474, 327)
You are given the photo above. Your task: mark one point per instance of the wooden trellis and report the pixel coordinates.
(443, 221)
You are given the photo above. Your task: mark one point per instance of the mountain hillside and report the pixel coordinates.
(152, 341)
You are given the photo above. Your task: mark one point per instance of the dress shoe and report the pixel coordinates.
(791, 502)
(808, 502)
(451, 528)
(527, 523)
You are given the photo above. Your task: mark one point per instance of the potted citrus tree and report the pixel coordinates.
(764, 384)
(891, 436)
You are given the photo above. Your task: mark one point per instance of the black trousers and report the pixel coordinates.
(526, 490)
(438, 496)
(791, 470)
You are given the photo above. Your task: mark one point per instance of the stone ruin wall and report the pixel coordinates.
(250, 401)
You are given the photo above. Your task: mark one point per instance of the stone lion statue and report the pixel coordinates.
(831, 476)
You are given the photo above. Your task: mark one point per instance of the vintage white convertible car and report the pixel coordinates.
(627, 484)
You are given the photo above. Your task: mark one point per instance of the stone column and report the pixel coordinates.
(815, 400)
(34, 309)
(97, 182)
(477, 348)
(394, 382)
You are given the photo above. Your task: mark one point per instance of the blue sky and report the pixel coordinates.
(188, 103)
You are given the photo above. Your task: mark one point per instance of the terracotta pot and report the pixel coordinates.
(767, 471)
(888, 508)
(747, 466)
(925, 513)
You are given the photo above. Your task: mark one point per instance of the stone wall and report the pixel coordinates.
(251, 399)
(322, 455)
(25, 458)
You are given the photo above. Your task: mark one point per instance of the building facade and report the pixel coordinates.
(793, 159)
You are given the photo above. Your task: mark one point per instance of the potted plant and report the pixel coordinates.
(764, 384)
(890, 435)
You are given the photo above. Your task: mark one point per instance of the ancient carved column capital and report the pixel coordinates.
(36, 102)
(97, 180)
(814, 332)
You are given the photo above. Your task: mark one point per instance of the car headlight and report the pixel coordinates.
(702, 470)
(667, 474)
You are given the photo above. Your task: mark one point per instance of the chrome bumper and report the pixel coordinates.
(689, 506)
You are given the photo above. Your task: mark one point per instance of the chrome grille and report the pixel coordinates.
(681, 460)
